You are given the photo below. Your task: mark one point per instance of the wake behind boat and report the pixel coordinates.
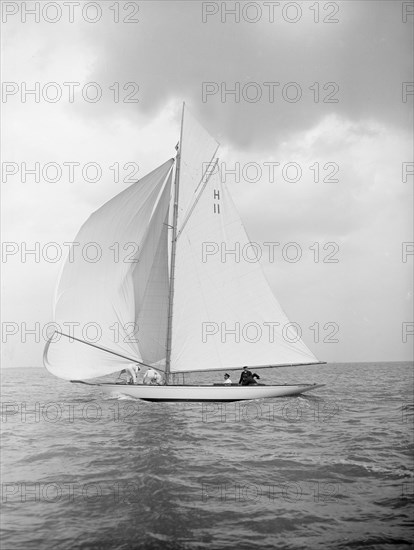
(159, 292)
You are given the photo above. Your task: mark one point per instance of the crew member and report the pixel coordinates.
(132, 372)
(152, 377)
(247, 377)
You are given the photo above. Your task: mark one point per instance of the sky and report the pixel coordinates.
(311, 102)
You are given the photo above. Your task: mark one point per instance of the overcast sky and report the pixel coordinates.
(322, 84)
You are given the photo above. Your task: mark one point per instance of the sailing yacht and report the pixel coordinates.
(143, 284)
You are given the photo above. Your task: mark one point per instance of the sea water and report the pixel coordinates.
(330, 469)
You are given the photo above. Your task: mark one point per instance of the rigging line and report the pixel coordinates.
(200, 193)
(102, 348)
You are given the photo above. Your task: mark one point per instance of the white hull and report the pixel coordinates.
(205, 393)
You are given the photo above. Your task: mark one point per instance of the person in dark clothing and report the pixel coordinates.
(247, 377)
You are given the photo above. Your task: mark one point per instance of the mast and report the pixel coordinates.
(173, 252)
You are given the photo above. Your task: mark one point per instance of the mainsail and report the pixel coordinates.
(225, 314)
(218, 311)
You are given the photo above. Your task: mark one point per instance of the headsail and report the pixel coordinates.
(225, 314)
(113, 289)
(151, 286)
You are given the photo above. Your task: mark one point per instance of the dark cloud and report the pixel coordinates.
(171, 52)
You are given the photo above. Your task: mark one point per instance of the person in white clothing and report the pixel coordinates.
(227, 379)
(152, 377)
(132, 372)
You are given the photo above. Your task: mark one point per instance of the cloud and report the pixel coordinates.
(365, 56)
(344, 180)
